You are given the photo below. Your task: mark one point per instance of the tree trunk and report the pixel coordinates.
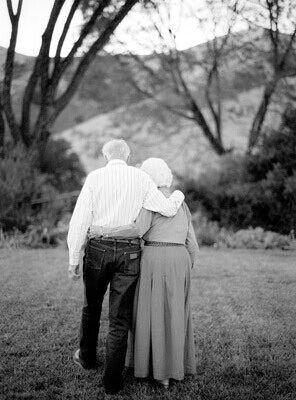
(2, 131)
(260, 116)
(60, 103)
(39, 75)
(6, 101)
(215, 142)
(41, 144)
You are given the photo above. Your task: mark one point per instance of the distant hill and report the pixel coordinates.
(106, 84)
(153, 131)
(104, 88)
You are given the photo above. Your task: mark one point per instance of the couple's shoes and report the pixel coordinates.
(82, 364)
(165, 383)
(78, 361)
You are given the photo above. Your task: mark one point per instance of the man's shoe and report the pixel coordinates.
(165, 383)
(78, 361)
(113, 390)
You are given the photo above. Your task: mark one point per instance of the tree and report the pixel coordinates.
(62, 166)
(194, 81)
(47, 73)
(2, 128)
(176, 71)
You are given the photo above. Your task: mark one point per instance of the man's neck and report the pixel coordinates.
(116, 161)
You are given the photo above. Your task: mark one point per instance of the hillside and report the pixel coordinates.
(104, 88)
(106, 85)
(153, 131)
(106, 105)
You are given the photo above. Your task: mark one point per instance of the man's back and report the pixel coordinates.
(118, 193)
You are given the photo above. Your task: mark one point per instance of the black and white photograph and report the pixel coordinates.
(148, 199)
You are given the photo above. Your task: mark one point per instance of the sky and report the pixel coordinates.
(34, 17)
(35, 14)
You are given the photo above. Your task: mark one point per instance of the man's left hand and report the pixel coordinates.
(73, 272)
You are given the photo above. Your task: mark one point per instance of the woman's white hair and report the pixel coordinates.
(116, 148)
(159, 171)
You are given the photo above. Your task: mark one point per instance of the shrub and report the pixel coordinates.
(208, 233)
(21, 184)
(255, 238)
(62, 166)
(258, 190)
(35, 236)
(26, 179)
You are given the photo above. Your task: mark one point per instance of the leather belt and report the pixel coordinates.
(162, 244)
(117, 240)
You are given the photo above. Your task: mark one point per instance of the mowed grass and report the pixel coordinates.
(244, 309)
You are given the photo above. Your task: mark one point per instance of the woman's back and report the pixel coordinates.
(163, 229)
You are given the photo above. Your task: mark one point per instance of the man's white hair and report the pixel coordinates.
(159, 171)
(116, 148)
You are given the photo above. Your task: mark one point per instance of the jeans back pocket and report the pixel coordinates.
(132, 262)
(94, 257)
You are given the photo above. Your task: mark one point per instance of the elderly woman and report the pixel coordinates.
(162, 340)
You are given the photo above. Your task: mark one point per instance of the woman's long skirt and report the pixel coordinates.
(162, 340)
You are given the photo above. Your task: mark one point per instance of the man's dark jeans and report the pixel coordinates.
(118, 263)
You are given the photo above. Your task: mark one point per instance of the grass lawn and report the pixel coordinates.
(244, 307)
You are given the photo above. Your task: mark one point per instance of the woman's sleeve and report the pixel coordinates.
(191, 242)
(144, 221)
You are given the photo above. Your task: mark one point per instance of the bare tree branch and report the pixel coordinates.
(164, 105)
(8, 71)
(288, 50)
(10, 10)
(2, 129)
(78, 75)
(260, 116)
(14, 16)
(200, 119)
(61, 41)
(61, 67)
(281, 69)
(40, 68)
(214, 72)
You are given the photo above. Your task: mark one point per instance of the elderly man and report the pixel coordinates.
(111, 196)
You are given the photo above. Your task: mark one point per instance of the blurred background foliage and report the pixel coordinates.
(222, 113)
(257, 190)
(32, 200)
(245, 201)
